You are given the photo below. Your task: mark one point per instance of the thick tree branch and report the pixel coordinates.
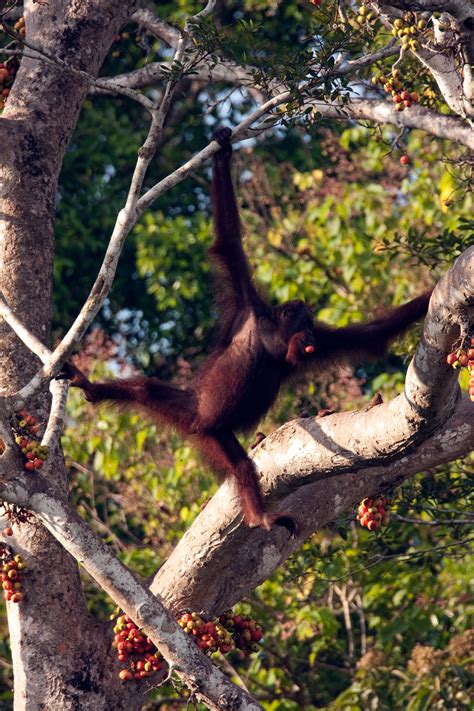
(417, 117)
(461, 9)
(448, 78)
(152, 73)
(246, 558)
(161, 29)
(324, 465)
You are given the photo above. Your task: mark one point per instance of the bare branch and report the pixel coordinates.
(152, 73)
(126, 220)
(57, 415)
(208, 10)
(341, 592)
(161, 29)
(59, 389)
(30, 340)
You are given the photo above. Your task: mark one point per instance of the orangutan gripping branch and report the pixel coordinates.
(260, 347)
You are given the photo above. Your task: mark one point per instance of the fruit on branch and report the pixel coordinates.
(8, 71)
(464, 358)
(211, 636)
(373, 513)
(246, 632)
(19, 26)
(407, 29)
(136, 649)
(34, 453)
(392, 85)
(364, 16)
(12, 568)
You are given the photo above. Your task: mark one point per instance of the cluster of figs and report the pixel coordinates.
(464, 358)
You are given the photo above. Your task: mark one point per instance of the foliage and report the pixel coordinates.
(404, 586)
(276, 40)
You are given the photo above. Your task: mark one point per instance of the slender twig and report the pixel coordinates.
(359, 607)
(58, 389)
(437, 522)
(28, 338)
(228, 667)
(126, 220)
(342, 594)
(375, 560)
(57, 414)
(116, 542)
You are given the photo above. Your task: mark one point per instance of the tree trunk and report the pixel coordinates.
(59, 652)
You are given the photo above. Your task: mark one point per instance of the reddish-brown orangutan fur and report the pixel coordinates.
(259, 348)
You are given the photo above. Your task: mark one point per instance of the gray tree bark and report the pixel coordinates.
(60, 654)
